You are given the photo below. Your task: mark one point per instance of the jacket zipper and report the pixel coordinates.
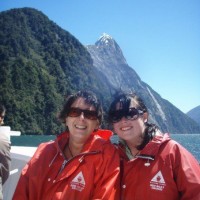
(82, 155)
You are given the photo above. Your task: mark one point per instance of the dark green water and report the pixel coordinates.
(30, 140)
(190, 141)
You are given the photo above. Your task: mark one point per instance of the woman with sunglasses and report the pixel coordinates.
(79, 164)
(153, 166)
(5, 159)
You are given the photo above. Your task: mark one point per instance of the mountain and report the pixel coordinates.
(195, 114)
(40, 63)
(108, 59)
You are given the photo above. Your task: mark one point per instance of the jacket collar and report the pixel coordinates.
(90, 147)
(94, 142)
(150, 150)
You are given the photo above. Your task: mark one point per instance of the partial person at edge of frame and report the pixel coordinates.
(5, 159)
(78, 164)
(154, 166)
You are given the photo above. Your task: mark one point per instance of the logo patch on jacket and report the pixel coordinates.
(157, 182)
(78, 183)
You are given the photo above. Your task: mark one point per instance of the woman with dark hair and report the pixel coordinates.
(5, 159)
(79, 164)
(153, 165)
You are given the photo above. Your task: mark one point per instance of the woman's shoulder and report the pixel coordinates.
(45, 147)
(175, 149)
(103, 145)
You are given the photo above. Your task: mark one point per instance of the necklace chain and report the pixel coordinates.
(70, 151)
(136, 154)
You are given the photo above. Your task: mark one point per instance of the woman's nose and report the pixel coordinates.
(123, 119)
(82, 115)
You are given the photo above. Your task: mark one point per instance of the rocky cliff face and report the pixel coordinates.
(109, 60)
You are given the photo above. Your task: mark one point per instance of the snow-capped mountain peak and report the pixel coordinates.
(105, 38)
(108, 46)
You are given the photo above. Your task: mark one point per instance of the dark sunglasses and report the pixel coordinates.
(76, 112)
(132, 114)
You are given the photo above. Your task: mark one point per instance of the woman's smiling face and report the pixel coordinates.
(130, 130)
(81, 127)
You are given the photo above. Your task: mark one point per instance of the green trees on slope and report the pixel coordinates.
(39, 64)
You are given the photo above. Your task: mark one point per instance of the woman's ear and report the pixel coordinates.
(66, 121)
(145, 117)
(97, 125)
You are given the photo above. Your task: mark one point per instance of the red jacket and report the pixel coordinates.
(93, 174)
(164, 170)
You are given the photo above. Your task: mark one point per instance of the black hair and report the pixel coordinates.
(89, 97)
(125, 100)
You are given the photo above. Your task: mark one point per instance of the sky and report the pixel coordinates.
(160, 39)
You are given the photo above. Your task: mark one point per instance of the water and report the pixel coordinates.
(30, 140)
(190, 141)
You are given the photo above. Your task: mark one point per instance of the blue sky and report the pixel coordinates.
(160, 39)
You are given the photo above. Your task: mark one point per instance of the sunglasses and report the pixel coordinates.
(132, 114)
(89, 114)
